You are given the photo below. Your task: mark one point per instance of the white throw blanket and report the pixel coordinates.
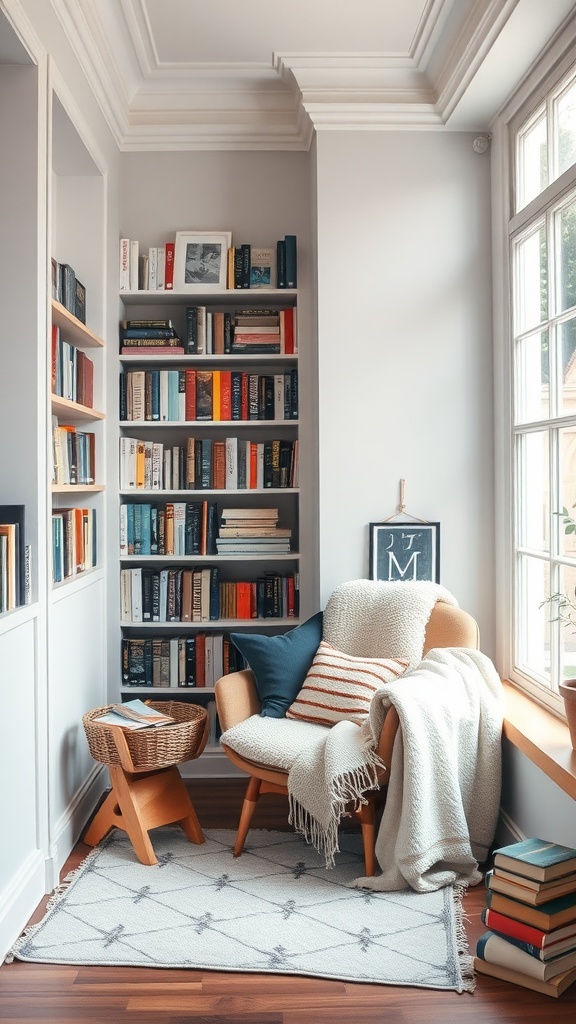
(444, 790)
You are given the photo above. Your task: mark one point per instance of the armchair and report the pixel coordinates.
(237, 699)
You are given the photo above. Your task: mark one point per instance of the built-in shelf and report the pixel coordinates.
(76, 488)
(217, 624)
(76, 332)
(73, 409)
(229, 297)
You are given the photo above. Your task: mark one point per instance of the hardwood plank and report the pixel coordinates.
(54, 994)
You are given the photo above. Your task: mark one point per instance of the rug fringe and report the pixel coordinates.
(53, 900)
(465, 960)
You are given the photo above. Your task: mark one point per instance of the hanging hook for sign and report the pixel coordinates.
(402, 508)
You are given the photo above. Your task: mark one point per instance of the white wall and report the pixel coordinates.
(404, 362)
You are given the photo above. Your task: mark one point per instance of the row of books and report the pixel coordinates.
(211, 331)
(73, 454)
(184, 396)
(68, 290)
(200, 595)
(531, 917)
(196, 528)
(72, 371)
(248, 266)
(14, 555)
(176, 528)
(74, 542)
(197, 660)
(230, 464)
(152, 270)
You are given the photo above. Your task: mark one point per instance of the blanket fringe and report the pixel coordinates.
(465, 960)
(53, 901)
(350, 786)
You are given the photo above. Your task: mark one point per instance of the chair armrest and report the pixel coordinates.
(236, 698)
(390, 727)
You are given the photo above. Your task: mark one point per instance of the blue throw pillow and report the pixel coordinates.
(280, 663)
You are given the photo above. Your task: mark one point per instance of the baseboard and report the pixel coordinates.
(20, 901)
(67, 831)
(506, 831)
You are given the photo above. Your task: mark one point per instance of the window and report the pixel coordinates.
(542, 248)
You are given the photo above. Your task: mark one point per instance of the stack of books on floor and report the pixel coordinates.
(531, 915)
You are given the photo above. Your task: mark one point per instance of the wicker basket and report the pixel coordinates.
(152, 748)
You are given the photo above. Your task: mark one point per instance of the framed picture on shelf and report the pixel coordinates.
(405, 551)
(201, 260)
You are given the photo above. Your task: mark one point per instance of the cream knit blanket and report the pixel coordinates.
(382, 619)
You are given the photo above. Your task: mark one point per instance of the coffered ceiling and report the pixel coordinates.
(180, 74)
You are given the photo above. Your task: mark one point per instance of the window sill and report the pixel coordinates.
(541, 736)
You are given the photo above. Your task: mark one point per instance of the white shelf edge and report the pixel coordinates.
(218, 624)
(18, 616)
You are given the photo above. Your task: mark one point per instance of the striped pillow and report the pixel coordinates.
(340, 687)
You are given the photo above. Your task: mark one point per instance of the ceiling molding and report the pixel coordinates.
(151, 104)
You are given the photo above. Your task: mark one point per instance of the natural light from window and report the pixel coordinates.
(543, 275)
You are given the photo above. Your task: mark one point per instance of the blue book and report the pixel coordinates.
(173, 385)
(146, 528)
(537, 859)
(130, 528)
(155, 394)
(291, 261)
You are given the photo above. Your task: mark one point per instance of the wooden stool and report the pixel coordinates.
(142, 800)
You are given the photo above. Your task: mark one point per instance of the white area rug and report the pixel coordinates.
(275, 909)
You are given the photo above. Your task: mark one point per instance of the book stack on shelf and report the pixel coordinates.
(72, 371)
(248, 266)
(531, 917)
(150, 270)
(74, 542)
(185, 662)
(200, 595)
(252, 531)
(232, 463)
(68, 290)
(194, 395)
(246, 331)
(73, 454)
(14, 556)
(149, 337)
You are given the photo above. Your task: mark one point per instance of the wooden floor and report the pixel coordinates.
(96, 995)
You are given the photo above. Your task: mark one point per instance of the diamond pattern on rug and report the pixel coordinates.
(274, 909)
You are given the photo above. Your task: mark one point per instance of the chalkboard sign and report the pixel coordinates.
(405, 551)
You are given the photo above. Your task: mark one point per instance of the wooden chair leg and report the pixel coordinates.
(250, 801)
(368, 824)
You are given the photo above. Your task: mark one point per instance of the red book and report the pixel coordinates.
(226, 394)
(169, 266)
(190, 411)
(253, 600)
(152, 350)
(538, 937)
(243, 600)
(291, 601)
(244, 397)
(253, 480)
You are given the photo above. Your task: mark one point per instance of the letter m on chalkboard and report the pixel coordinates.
(404, 551)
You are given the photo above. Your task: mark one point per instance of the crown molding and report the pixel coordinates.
(154, 105)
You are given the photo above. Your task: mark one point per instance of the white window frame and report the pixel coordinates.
(533, 92)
